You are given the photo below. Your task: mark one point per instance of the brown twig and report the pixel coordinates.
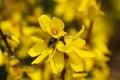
(4, 38)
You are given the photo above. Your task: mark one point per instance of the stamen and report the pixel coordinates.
(54, 31)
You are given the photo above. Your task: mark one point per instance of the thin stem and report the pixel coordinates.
(6, 42)
(63, 74)
(89, 32)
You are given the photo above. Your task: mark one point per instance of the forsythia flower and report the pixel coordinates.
(15, 70)
(81, 9)
(90, 9)
(72, 47)
(67, 8)
(59, 46)
(44, 49)
(53, 27)
(101, 72)
(33, 73)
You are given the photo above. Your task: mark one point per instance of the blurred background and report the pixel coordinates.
(112, 9)
(30, 10)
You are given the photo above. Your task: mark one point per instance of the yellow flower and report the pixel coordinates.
(72, 75)
(32, 72)
(38, 11)
(46, 50)
(12, 26)
(101, 73)
(47, 53)
(14, 69)
(90, 9)
(78, 8)
(53, 27)
(39, 49)
(25, 40)
(67, 8)
(72, 47)
(100, 36)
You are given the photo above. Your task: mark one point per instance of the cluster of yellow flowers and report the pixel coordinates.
(56, 51)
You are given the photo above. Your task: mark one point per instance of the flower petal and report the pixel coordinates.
(43, 55)
(51, 55)
(80, 41)
(53, 67)
(58, 23)
(85, 54)
(59, 61)
(36, 39)
(57, 28)
(37, 49)
(45, 22)
(80, 32)
(60, 46)
(89, 63)
(73, 58)
(78, 67)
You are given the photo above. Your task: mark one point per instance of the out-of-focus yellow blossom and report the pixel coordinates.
(15, 70)
(89, 9)
(38, 11)
(19, 6)
(17, 17)
(1, 58)
(101, 72)
(79, 8)
(19, 72)
(24, 47)
(26, 42)
(53, 27)
(67, 8)
(100, 38)
(11, 28)
(33, 73)
(29, 31)
(89, 64)
(71, 75)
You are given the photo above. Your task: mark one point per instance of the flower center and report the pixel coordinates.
(54, 31)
